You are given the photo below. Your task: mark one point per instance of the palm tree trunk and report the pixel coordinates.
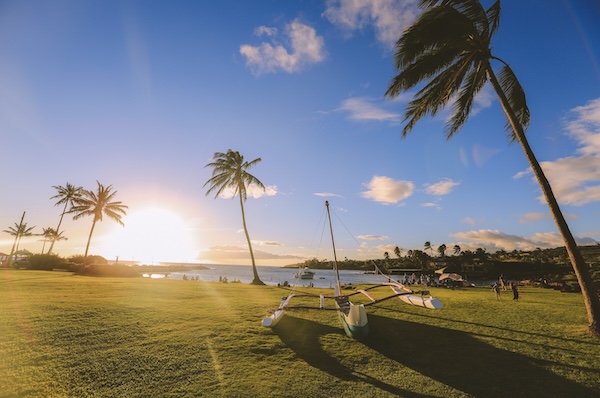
(89, 238)
(15, 243)
(256, 280)
(58, 227)
(588, 290)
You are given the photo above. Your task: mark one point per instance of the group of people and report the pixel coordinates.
(501, 285)
(413, 279)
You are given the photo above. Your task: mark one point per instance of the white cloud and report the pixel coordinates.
(575, 180)
(494, 240)
(235, 254)
(389, 18)
(373, 237)
(265, 30)
(305, 47)
(484, 99)
(441, 188)
(252, 190)
(469, 220)
(266, 243)
(364, 109)
(532, 217)
(387, 191)
(326, 194)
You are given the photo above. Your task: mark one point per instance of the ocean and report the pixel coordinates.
(273, 275)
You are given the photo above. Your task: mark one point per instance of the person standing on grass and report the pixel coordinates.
(515, 291)
(496, 289)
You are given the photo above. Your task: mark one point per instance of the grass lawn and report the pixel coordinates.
(63, 335)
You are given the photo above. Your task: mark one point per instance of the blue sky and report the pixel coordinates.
(140, 94)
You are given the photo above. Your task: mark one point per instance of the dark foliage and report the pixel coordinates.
(46, 262)
(83, 260)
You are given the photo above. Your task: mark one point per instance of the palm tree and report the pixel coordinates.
(449, 47)
(18, 231)
(53, 237)
(46, 233)
(427, 246)
(229, 172)
(398, 252)
(98, 204)
(456, 250)
(67, 195)
(442, 250)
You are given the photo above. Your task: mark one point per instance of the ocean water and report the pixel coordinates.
(276, 275)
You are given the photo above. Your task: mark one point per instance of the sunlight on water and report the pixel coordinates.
(154, 276)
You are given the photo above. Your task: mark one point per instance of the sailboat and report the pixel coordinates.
(352, 316)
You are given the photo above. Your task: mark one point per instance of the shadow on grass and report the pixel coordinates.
(458, 360)
(459, 321)
(302, 336)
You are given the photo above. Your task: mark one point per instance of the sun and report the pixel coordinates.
(152, 235)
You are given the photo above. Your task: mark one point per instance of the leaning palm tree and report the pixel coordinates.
(18, 231)
(66, 196)
(98, 204)
(449, 48)
(229, 173)
(427, 246)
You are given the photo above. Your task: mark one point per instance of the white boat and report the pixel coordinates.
(304, 273)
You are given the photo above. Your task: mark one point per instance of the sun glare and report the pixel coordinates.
(152, 235)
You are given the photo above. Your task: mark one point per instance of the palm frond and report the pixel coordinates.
(424, 68)
(437, 28)
(436, 94)
(473, 83)
(516, 98)
(493, 16)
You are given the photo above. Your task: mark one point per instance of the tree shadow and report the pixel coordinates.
(302, 336)
(461, 361)
(430, 317)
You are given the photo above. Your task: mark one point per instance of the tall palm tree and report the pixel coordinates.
(398, 251)
(229, 172)
(449, 48)
(98, 204)
(66, 196)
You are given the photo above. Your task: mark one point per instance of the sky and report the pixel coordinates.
(139, 95)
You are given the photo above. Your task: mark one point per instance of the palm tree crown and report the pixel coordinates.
(449, 48)
(67, 196)
(98, 204)
(19, 231)
(230, 173)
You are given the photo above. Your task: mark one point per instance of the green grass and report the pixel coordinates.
(72, 336)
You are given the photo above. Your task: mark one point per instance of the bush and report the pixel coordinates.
(82, 260)
(46, 262)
